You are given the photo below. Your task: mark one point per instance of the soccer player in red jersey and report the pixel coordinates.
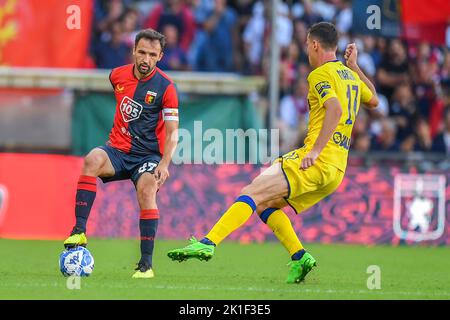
(140, 146)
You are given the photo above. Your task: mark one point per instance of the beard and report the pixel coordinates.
(143, 68)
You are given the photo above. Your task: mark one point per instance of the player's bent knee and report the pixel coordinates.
(93, 162)
(147, 192)
(253, 193)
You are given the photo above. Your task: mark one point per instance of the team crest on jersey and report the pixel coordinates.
(150, 97)
(130, 109)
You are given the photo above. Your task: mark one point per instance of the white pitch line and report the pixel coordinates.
(333, 291)
(242, 289)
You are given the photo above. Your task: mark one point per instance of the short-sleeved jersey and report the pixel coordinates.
(334, 80)
(142, 107)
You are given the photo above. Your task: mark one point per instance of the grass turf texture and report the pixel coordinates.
(29, 270)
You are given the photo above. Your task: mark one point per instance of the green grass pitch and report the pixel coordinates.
(29, 270)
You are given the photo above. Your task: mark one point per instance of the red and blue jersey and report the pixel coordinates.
(142, 107)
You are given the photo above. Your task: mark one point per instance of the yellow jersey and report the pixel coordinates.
(334, 80)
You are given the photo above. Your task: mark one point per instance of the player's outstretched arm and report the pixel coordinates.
(332, 116)
(351, 56)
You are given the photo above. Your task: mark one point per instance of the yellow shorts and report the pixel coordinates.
(307, 187)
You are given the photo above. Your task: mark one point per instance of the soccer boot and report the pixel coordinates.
(77, 238)
(196, 249)
(144, 271)
(300, 268)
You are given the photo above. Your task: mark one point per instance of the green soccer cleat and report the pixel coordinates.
(77, 238)
(196, 249)
(300, 268)
(144, 271)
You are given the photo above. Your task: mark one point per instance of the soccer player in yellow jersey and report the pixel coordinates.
(305, 176)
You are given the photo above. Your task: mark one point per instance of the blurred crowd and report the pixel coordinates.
(412, 79)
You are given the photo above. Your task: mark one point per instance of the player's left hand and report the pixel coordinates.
(351, 55)
(161, 173)
(309, 160)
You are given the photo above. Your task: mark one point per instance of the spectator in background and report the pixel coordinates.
(243, 9)
(387, 139)
(403, 110)
(442, 101)
(393, 69)
(379, 51)
(257, 33)
(444, 74)
(253, 38)
(360, 140)
(326, 9)
(377, 115)
(420, 138)
(300, 35)
(106, 12)
(216, 41)
(362, 143)
(436, 113)
(174, 57)
(289, 68)
(303, 70)
(284, 29)
(425, 74)
(361, 124)
(370, 47)
(130, 25)
(304, 10)
(447, 34)
(423, 141)
(365, 60)
(344, 17)
(174, 12)
(441, 142)
(294, 116)
(113, 52)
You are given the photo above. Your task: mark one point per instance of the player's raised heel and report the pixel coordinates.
(196, 249)
(300, 268)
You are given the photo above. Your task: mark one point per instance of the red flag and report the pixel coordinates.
(50, 33)
(425, 20)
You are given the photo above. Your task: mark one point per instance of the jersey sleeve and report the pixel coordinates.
(323, 86)
(170, 104)
(112, 78)
(366, 94)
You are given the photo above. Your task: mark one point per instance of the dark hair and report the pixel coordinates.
(325, 33)
(151, 35)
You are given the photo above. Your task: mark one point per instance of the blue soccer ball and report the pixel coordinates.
(76, 262)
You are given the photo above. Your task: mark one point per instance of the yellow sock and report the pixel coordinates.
(281, 226)
(232, 219)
